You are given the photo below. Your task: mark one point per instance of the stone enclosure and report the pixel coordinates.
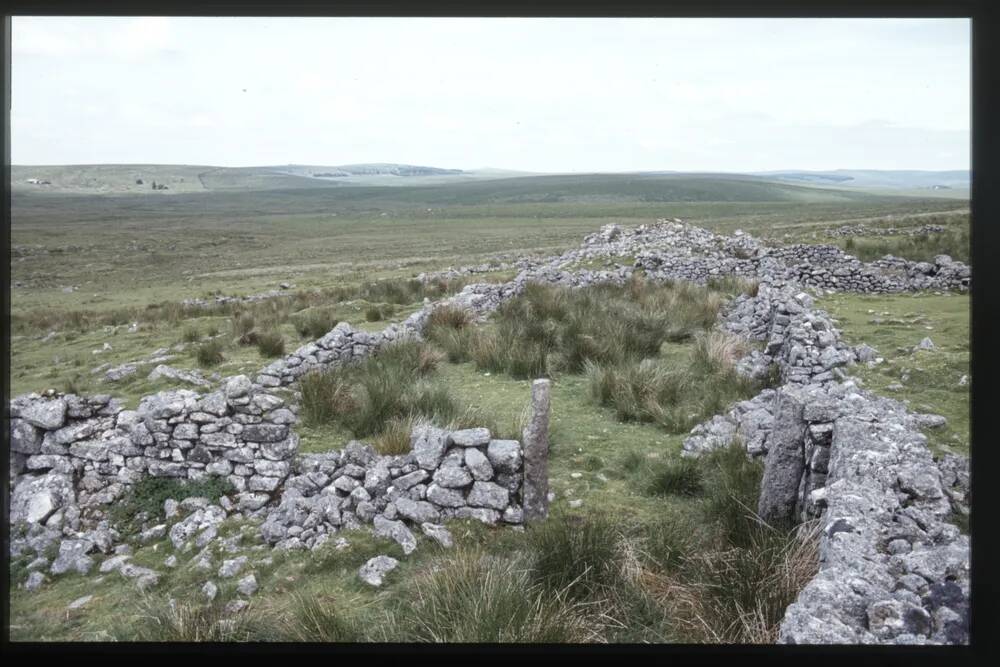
(892, 570)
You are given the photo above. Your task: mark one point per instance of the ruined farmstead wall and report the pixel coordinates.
(71, 455)
(463, 474)
(892, 567)
(672, 250)
(666, 251)
(344, 344)
(75, 456)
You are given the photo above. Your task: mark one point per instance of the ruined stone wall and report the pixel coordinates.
(83, 452)
(462, 474)
(893, 569)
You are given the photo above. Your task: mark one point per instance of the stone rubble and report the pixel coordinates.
(373, 572)
(339, 490)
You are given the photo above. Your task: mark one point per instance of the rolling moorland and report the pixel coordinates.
(98, 282)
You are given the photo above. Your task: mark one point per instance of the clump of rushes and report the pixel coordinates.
(394, 438)
(680, 477)
(578, 557)
(315, 323)
(209, 353)
(270, 344)
(551, 329)
(191, 335)
(677, 395)
(474, 596)
(379, 392)
(373, 314)
(243, 328)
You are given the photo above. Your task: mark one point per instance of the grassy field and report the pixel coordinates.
(929, 380)
(654, 549)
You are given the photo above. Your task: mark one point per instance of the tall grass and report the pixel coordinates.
(209, 353)
(731, 578)
(473, 596)
(681, 477)
(270, 344)
(378, 395)
(732, 483)
(278, 309)
(314, 323)
(550, 329)
(576, 556)
(675, 395)
(158, 620)
(312, 618)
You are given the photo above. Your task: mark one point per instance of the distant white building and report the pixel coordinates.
(33, 181)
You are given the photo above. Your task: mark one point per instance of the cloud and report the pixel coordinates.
(83, 37)
(537, 94)
(144, 36)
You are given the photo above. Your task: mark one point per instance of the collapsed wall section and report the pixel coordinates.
(462, 474)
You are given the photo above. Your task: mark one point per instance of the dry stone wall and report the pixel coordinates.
(83, 452)
(863, 230)
(893, 568)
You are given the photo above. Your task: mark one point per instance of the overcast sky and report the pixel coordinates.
(531, 94)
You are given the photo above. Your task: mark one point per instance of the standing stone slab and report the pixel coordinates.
(536, 454)
(785, 462)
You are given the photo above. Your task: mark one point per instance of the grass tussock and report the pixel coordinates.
(723, 574)
(450, 329)
(550, 330)
(375, 396)
(160, 620)
(682, 477)
(734, 285)
(675, 395)
(472, 596)
(577, 557)
(314, 323)
(209, 353)
(315, 618)
(270, 344)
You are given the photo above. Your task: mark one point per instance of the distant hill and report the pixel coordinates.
(138, 178)
(875, 178)
(363, 182)
(571, 193)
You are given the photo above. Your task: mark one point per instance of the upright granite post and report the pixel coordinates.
(785, 462)
(535, 442)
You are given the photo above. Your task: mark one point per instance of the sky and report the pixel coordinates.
(543, 95)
